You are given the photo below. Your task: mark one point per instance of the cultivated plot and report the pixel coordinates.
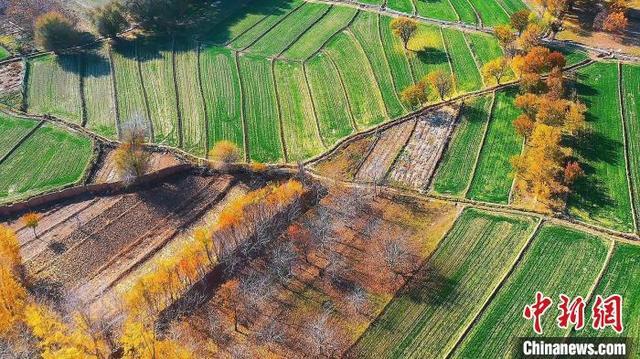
(222, 95)
(48, 159)
(331, 102)
(280, 37)
(365, 29)
(468, 77)
(98, 93)
(157, 68)
(54, 86)
(415, 164)
(603, 195)
(301, 131)
(375, 168)
(459, 161)
(190, 102)
(12, 131)
(492, 180)
(260, 108)
(132, 105)
(631, 101)
(559, 261)
(363, 92)
(313, 39)
(428, 317)
(620, 277)
(396, 55)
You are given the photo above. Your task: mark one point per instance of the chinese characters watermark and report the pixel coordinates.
(605, 312)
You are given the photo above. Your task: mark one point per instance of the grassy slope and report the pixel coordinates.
(49, 159)
(362, 89)
(4, 53)
(296, 109)
(54, 86)
(396, 55)
(12, 130)
(221, 87)
(273, 16)
(492, 180)
(457, 166)
(560, 260)
(157, 70)
(404, 6)
(603, 196)
(631, 83)
(490, 12)
(468, 76)
(621, 277)
(190, 99)
(98, 93)
(128, 87)
(365, 29)
(332, 107)
(260, 109)
(286, 32)
(311, 41)
(426, 320)
(436, 9)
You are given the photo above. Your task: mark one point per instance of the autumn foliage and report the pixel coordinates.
(545, 170)
(210, 245)
(225, 151)
(404, 28)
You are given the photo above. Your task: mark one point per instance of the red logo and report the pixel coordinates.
(536, 310)
(606, 312)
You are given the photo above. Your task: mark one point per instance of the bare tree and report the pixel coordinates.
(357, 299)
(272, 332)
(321, 337)
(281, 261)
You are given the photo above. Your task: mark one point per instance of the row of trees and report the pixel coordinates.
(546, 170)
(437, 82)
(253, 215)
(55, 31)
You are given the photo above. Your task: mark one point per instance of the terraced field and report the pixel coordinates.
(98, 93)
(222, 95)
(429, 316)
(603, 196)
(54, 86)
(631, 101)
(492, 179)
(345, 72)
(45, 159)
(458, 164)
(560, 260)
(618, 278)
(464, 66)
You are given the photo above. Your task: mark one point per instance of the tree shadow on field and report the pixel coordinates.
(590, 193)
(473, 114)
(430, 286)
(46, 289)
(431, 56)
(169, 197)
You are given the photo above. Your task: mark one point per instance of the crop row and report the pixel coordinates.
(467, 300)
(491, 12)
(336, 71)
(38, 159)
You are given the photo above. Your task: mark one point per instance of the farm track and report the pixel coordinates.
(625, 140)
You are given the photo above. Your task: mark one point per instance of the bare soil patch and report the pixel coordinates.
(416, 164)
